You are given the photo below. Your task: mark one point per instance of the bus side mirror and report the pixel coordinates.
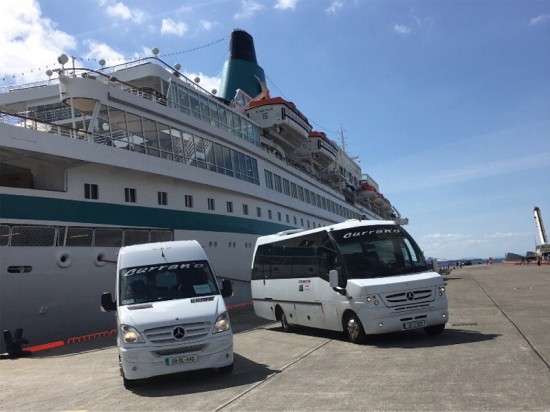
(227, 288)
(435, 266)
(107, 302)
(334, 281)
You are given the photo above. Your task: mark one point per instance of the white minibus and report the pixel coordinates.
(170, 311)
(359, 277)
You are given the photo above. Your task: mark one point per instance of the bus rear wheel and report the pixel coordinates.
(353, 328)
(287, 327)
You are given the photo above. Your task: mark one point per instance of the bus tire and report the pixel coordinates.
(353, 328)
(287, 327)
(434, 330)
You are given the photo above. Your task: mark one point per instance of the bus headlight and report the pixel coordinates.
(222, 323)
(131, 335)
(441, 291)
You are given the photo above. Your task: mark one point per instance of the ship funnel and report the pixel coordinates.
(241, 70)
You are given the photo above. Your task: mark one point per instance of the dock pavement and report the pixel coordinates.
(493, 356)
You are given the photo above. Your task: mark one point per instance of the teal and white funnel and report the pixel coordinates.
(241, 70)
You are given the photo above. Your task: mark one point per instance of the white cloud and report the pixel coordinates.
(334, 7)
(248, 9)
(121, 11)
(207, 25)
(30, 43)
(542, 19)
(169, 26)
(404, 30)
(98, 50)
(285, 4)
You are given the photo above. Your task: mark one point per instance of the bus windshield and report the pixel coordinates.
(378, 251)
(165, 282)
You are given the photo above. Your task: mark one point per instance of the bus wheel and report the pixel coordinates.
(354, 329)
(284, 323)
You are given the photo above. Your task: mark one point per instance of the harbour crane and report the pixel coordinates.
(543, 250)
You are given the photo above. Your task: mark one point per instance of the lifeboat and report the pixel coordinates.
(280, 120)
(367, 191)
(320, 149)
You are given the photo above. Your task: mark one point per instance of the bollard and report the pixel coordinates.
(14, 344)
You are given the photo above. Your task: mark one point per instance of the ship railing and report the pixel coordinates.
(43, 126)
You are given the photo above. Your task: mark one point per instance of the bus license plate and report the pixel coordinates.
(177, 360)
(414, 325)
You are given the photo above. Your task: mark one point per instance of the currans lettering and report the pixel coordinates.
(370, 232)
(137, 271)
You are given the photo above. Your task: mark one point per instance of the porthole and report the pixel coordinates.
(63, 259)
(100, 259)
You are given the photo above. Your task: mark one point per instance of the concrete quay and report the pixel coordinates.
(493, 356)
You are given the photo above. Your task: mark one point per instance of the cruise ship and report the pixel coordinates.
(95, 159)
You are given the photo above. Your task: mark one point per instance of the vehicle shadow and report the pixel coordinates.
(245, 372)
(404, 340)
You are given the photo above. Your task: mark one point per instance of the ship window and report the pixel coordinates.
(188, 148)
(235, 157)
(268, 179)
(194, 100)
(183, 99)
(295, 221)
(90, 191)
(222, 115)
(205, 113)
(211, 204)
(307, 196)
(135, 237)
(4, 235)
(230, 207)
(135, 130)
(278, 186)
(287, 218)
(209, 149)
(286, 187)
(165, 141)
(188, 201)
(301, 193)
(108, 237)
(160, 236)
(259, 211)
(218, 154)
(78, 236)
(293, 190)
(245, 209)
(177, 145)
(227, 160)
(269, 214)
(213, 113)
(130, 195)
(150, 136)
(279, 217)
(162, 198)
(200, 152)
(32, 236)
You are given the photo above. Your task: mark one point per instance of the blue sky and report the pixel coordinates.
(445, 103)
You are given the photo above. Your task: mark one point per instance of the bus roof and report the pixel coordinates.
(350, 223)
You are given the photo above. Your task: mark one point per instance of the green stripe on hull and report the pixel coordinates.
(41, 208)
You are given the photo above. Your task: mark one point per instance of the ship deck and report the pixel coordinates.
(494, 355)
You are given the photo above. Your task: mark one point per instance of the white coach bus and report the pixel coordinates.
(359, 277)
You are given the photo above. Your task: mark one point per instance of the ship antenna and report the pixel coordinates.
(343, 139)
